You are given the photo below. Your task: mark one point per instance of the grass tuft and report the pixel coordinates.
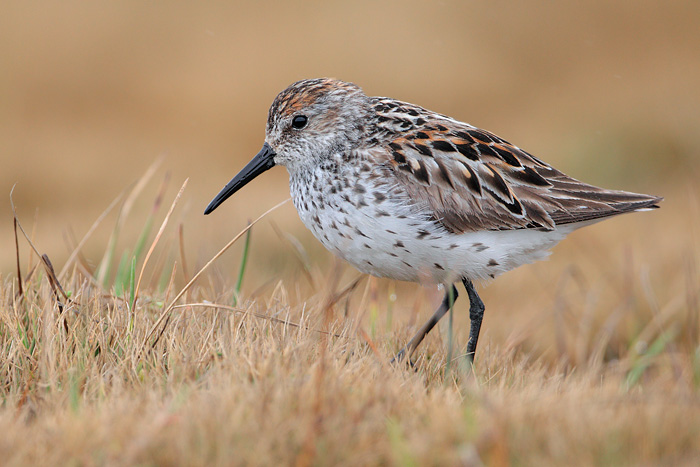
(599, 366)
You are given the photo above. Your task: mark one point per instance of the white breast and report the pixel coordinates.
(388, 238)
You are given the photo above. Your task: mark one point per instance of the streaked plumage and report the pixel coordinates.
(406, 193)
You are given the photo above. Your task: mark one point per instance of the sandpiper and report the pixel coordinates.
(402, 192)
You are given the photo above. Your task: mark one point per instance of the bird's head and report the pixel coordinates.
(310, 120)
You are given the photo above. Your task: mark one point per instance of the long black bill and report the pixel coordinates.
(264, 160)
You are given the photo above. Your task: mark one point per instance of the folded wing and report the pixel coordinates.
(468, 179)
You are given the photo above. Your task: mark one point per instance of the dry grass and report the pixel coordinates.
(598, 365)
(589, 358)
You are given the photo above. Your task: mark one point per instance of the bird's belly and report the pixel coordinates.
(402, 247)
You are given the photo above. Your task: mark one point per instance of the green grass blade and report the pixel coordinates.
(141, 242)
(645, 361)
(241, 270)
(121, 279)
(132, 291)
(102, 273)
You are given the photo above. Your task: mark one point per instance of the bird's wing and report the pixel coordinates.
(468, 179)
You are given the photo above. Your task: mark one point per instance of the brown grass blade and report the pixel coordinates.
(89, 233)
(157, 238)
(53, 280)
(20, 293)
(204, 268)
(181, 241)
(124, 211)
(261, 316)
(29, 241)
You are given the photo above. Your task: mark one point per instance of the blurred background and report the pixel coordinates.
(92, 93)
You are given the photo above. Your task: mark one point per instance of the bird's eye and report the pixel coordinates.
(299, 121)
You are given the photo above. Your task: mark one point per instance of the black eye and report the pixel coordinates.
(299, 121)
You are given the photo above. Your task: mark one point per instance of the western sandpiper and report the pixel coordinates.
(401, 192)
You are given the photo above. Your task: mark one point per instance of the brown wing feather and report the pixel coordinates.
(469, 179)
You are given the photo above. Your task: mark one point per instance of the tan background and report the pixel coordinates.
(91, 94)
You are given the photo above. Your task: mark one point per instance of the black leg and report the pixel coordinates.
(447, 303)
(476, 314)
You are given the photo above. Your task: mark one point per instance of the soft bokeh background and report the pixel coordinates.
(92, 93)
(590, 358)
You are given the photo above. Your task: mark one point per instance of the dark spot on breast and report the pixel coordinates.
(412, 112)
(422, 233)
(382, 213)
(359, 188)
(404, 262)
(393, 254)
(390, 231)
(422, 135)
(366, 246)
(493, 262)
(369, 263)
(479, 247)
(438, 266)
(359, 232)
(453, 246)
(399, 244)
(379, 197)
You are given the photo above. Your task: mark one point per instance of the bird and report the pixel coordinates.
(406, 193)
